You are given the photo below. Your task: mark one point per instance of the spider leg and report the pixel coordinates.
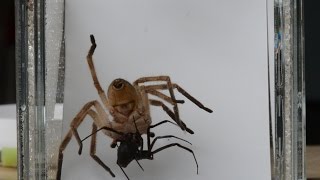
(79, 118)
(74, 124)
(180, 146)
(170, 88)
(167, 136)
(97, 118)
(124, 172)
(151, 134)
(150, 145)
(163, 96)
(171, 114)
(181, 90)
(96, 82)
(162, 122)
(93, 151)
(191, 98)
(63, 145)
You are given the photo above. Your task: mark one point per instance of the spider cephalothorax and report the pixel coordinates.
(123, 97)
(129, 107)
(121, 92)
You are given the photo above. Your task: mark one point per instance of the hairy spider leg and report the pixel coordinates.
(153, 89)
(97, 117)
(141, 124)
(182, 91)
(170, 113)
(169, 87)
(96, 82)
(93, 151)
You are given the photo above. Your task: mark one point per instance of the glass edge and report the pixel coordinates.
(30, 73)
(21, 45)
(289, 126)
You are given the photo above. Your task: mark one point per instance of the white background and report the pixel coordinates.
(216, 50)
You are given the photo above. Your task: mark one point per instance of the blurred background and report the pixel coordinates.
(312, 70)
(7, 61)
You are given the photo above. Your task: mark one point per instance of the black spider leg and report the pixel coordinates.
(97, 159)
(148, 133)
(126, 173)
(150, 145)
(139, 164)
(123, 172)
(162, 122)
(105, 128)
(168, 136)
(141, 149)
(179, 145)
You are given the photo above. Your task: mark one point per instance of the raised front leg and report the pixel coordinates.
(96, 82)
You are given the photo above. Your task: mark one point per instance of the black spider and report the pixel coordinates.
(131, 147)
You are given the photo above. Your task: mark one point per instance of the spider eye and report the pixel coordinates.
(118, 84)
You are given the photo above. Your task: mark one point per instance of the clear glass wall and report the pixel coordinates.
(40, 80)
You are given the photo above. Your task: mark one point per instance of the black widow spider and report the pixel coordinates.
(131, 147)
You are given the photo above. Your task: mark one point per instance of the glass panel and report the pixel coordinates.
(289, 91)
(40, 79)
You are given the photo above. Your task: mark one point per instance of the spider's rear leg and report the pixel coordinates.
(171, 114)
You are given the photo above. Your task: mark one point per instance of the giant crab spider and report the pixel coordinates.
(126, 103)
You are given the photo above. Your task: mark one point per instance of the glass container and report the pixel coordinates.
(160, 32)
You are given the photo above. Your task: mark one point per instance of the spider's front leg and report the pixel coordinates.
(172, 96)
(93, 151)
(73, 131)
(170, 113)
(100, 119)
(155, 90)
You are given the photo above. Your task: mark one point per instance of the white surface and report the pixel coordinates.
(216, 50)
(8, 126)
